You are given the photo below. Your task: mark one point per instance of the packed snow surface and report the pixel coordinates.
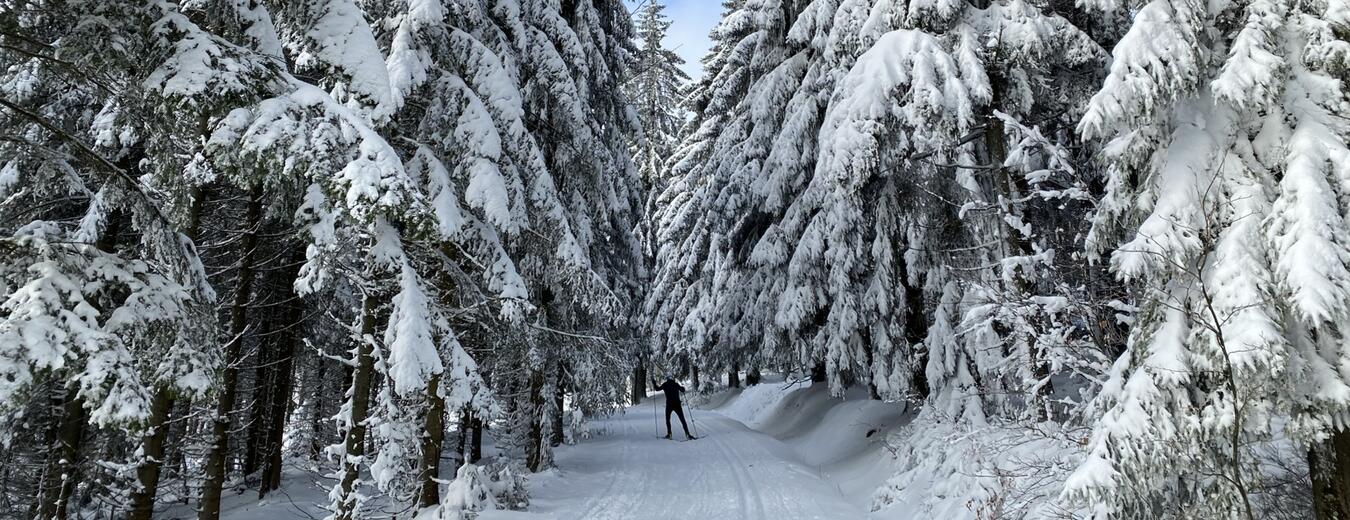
(778, 450)
(627, 471)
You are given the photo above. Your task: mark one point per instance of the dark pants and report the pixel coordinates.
(677, 410)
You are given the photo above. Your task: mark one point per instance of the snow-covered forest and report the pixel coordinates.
(1082, 259)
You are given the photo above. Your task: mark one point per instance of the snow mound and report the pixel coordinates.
(905, 464)
(845, 441)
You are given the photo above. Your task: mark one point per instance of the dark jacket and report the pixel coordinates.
(672, 390)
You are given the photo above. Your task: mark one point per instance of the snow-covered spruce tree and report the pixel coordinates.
(132, 149)
(656, 88)
(416, 156)
(737, 108)
(456, 97)
(571, 65)
(299, 148)
(1227, 194)
(468, 494)
(461, 107)
(955, 75)
(815, 227)
(358, 191)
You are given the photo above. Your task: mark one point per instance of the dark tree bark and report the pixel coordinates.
(639, 390)
(734, 376)
(150, 469)
(752, 376)
(355, 437)
(152, 447)
(288, 340)
(916, 332)
(818, 374)
(263, 390)
(60, 476)
(461, 444)
(176, 457)
(476, 441)
(316, 415)
(217, 457)
(556, 435)
(433, 438)
(869, 357)
(1012, 187)
(1329, 467)
(534, 455)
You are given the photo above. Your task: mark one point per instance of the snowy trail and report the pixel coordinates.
(626, 472)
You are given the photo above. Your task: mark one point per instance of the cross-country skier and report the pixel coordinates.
(673, 390)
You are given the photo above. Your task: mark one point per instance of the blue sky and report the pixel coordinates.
(688, 35)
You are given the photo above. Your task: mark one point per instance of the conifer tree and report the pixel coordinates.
(1234, 242)
(656, 88)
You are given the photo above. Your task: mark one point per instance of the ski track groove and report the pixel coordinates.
(646, 477)
(597, 501)
(749, 492)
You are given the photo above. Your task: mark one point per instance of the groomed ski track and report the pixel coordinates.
(625, 471)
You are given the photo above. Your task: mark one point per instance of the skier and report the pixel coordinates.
(672, 390)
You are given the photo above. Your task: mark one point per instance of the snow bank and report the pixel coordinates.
(958, 471)
(908, 465)
(843, 440)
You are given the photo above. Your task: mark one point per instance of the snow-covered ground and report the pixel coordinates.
(778, 450)
(733, 472)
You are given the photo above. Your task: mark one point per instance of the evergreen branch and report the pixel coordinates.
(84, 149)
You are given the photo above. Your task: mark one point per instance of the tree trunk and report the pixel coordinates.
(866, 375)
(734, 376)
(288, 340)
(1012, 187)
(476, 441)
(148, 472)
(176, 456)
(433, 437)
(316, 415)
(280, 406)
(355, 438)
(462, 444)
(217, 457)
(560, 388)
(1329, 465)
(916, 333)
(696, 382)
(639, 382)
(60, 477)
(818, 373)
(534, 456)
(152, 449)
(263, 393)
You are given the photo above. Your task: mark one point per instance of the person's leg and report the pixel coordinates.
(669, 409)
(680, 412)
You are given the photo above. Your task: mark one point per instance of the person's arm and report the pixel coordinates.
(681, 387)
